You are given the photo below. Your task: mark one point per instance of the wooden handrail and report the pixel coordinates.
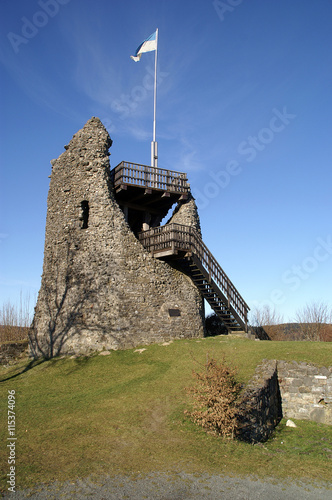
(179, 237)
(150, 177)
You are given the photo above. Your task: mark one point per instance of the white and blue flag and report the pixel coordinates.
(148, 45)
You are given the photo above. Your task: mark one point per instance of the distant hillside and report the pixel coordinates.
(295, 331)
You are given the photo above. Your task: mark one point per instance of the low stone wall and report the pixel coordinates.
(284, 389)
(260, 407)
(11, 351)
(306, 391)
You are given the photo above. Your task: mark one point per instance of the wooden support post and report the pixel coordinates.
(146, 221)
(146, 177)
(122, 187)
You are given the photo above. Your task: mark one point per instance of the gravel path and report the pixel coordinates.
(181, 486)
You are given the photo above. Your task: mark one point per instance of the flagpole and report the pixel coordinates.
(154, 144)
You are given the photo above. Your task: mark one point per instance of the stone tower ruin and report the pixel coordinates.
(113, 277)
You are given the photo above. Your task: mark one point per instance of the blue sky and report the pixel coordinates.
(244, 107)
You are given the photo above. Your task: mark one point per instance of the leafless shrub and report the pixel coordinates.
(270, 320)
(214, 398)
(15, 320)
(18, 314)
(313, 320)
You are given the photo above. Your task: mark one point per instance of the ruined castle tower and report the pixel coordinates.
(100, 288)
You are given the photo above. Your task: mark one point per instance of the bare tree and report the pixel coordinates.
(312, 319)
(15, 319)
(269, 320)
(16, 314)
(8, 314)
(266, 316)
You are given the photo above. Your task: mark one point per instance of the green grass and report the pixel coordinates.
(123, 413)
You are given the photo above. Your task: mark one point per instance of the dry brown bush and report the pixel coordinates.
(214, 398)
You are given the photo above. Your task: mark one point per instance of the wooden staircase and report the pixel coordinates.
(214, 296)
(145, 195)
(176, 241)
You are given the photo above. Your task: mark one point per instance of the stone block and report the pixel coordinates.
(293, 389)
(328, 415)
(297, 382)
(318, 389)
(304, 390)
(303, 411)
(317, 414)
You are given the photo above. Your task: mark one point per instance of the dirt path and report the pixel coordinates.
(181, 486)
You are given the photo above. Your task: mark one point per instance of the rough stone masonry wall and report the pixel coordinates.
(11, 351)
(306, 391)
(260, 406)
(187, 214)
(284, 389)
(100, 288)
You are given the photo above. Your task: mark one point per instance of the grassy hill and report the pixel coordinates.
(124, 413)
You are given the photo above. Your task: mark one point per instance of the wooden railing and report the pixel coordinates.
(150, 177)
(177, 237)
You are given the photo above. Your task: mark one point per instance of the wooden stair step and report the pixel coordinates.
(205, 272)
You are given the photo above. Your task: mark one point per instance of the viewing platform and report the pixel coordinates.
(146, 188)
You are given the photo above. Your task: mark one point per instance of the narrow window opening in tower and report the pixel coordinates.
(84, 214)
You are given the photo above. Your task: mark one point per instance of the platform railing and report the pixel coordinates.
(134, 174)
(178, 237)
